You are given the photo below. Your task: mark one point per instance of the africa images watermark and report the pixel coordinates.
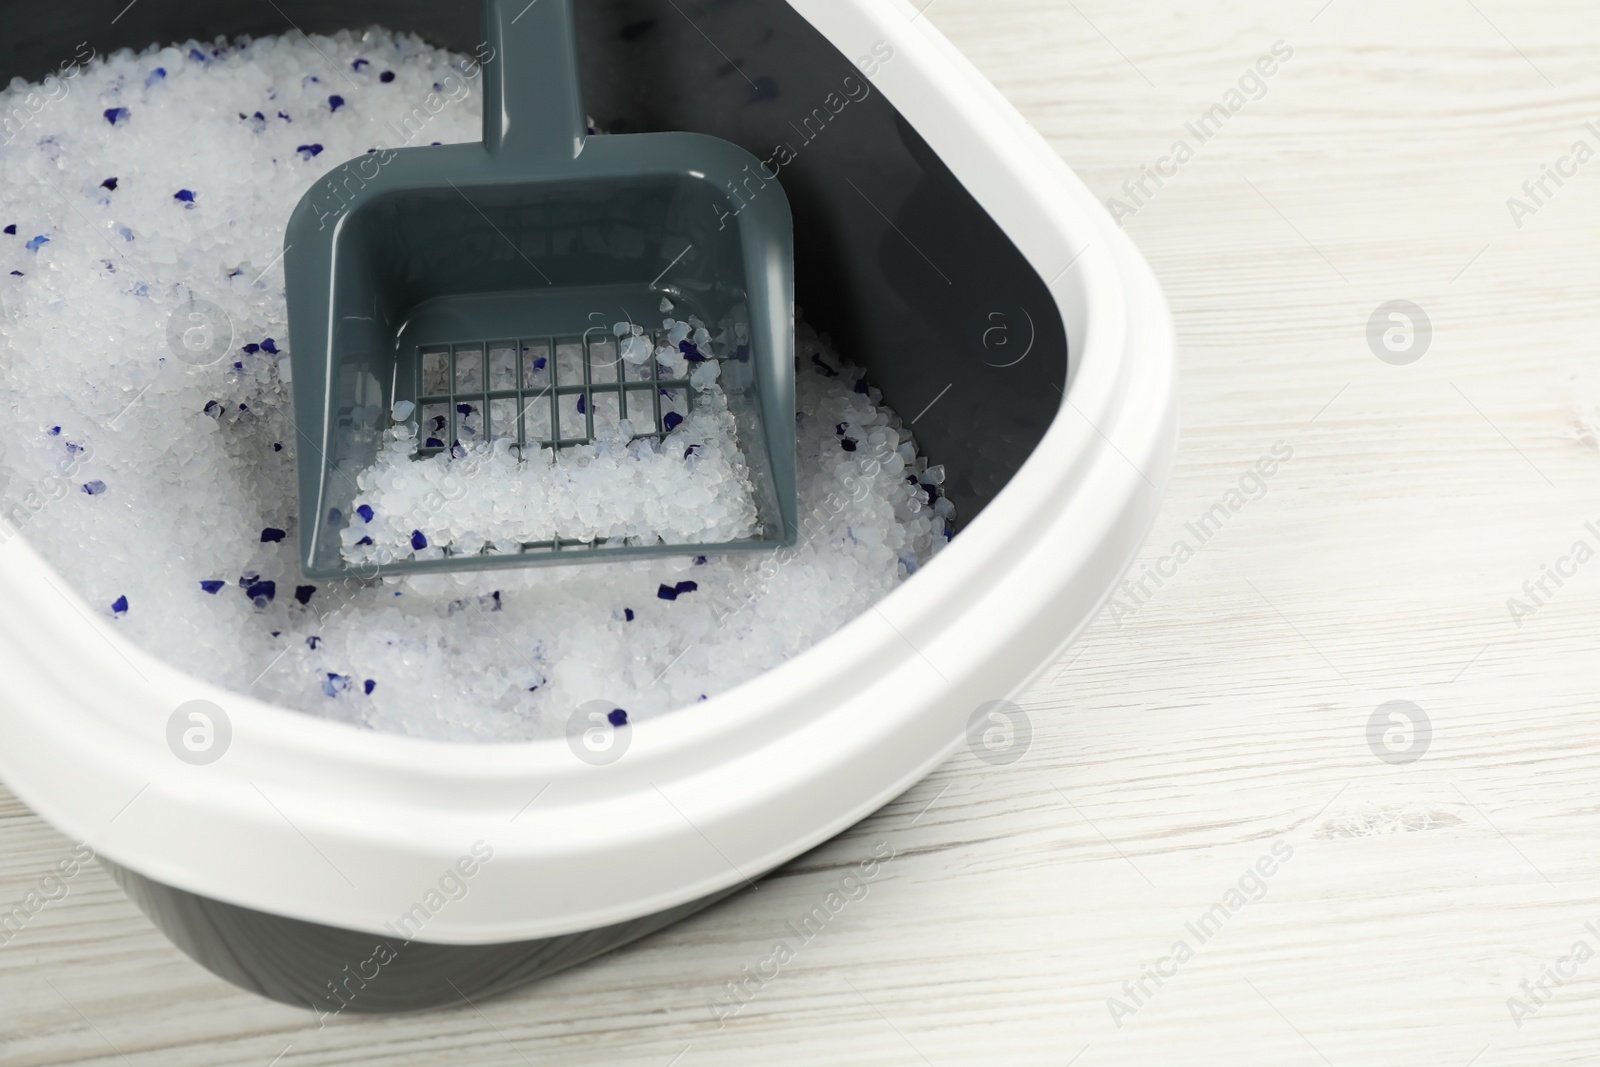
(340, 185)
(1537, 591)
(1250, 887)
(21, 509)
(51, 888)
(1135, 592)
(1252, 86)
(1539, 992)
(1536, 192)
(451, 886)
(51, 90)
(851, 91)
(853, 885)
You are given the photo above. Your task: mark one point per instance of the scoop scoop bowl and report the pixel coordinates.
(412, 273)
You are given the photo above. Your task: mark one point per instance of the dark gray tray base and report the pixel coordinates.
(331, 971)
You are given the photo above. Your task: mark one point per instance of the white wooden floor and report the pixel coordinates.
(1223, 720)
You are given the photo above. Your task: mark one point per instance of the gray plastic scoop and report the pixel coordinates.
(412, 273)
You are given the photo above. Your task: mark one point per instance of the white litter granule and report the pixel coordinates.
(148, 446)
(689, 487)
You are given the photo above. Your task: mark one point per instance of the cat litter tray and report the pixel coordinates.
(949, 251)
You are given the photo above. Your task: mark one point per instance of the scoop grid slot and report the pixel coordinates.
(450, 382)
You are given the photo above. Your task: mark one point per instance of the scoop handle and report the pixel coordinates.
(532, 103)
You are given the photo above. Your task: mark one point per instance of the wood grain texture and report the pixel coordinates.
(1178, 744)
